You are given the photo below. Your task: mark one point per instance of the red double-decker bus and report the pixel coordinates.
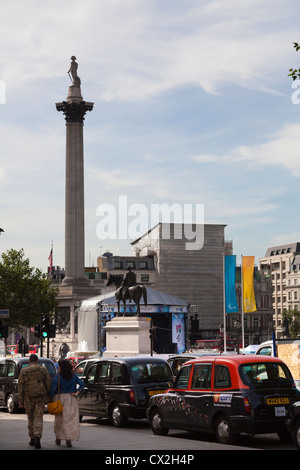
(215, 345)
(12, 349)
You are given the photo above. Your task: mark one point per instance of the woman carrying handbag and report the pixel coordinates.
(65, 387)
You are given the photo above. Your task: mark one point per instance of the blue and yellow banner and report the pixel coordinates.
(231, 305)
(248, 284)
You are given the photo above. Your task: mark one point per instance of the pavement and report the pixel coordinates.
(14, 435)
(137, 437)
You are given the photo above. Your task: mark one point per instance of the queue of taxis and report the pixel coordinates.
(227, 395)
(119, 388)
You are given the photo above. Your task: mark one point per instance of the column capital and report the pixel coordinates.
(74, 112)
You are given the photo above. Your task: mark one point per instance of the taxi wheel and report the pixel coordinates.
(223, 430)
(297, 434)
(117, 416)
(11, 404)
(157, 424)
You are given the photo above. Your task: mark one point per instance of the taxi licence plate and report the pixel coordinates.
(155, 392)
(278, 401)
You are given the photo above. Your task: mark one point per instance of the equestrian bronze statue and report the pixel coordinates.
(127, 289)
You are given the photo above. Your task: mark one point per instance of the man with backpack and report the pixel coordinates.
(33, 389)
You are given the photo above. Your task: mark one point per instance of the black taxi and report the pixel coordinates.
(227, 395)
(10, 369)
(119, 388)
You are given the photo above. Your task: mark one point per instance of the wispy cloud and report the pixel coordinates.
(281, 149)
(138, 49)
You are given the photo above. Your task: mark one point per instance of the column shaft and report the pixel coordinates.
(74, 216)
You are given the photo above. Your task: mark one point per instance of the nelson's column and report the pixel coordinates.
(75, 286)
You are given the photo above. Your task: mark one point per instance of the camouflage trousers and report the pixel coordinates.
(35, 413)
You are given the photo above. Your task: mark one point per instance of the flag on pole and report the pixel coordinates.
(50, 259)
(248, 284)
(231, 304)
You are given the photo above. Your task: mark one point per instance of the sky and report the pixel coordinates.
(192, 106)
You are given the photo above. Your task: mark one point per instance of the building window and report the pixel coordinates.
(129, 264)
(143, 265)
(145, 278)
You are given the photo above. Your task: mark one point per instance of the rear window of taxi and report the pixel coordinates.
(266, 374)
(150, 372)
(48, 365)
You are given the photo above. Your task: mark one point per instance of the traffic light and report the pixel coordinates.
(22, 346)
(51, 331)
(152, 332)
(3, 330)
(48, 328)
(45, 326)
(37, 331)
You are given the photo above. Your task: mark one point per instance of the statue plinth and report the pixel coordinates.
(74, 94)
(127, 336)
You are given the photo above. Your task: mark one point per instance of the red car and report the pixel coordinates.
(76, 360)
(228, 395)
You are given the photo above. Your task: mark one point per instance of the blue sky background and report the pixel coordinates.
(192, 105)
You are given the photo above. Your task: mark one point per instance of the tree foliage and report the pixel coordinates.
(24, 290)
(293, 319)
(295, 73)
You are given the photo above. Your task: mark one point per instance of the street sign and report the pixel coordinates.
(4, 313)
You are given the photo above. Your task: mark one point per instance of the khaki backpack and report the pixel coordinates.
(34, 383)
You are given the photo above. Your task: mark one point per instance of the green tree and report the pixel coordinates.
(24, 290)
(293, 318)
(295, 73)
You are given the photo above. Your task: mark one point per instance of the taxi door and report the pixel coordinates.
(99, 393)
(85, 396)
(199, 397)
(175, 409)
(3, 370)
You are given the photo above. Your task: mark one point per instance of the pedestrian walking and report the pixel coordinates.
(33, 388)
(66, 424)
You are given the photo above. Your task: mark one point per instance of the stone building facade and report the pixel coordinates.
(192, 275)
(281, 264)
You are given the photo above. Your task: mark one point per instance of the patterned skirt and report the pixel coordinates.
(66, 425)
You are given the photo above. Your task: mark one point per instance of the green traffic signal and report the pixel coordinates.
(47, 327)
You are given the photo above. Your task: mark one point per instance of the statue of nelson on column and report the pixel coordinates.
(73, 71)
